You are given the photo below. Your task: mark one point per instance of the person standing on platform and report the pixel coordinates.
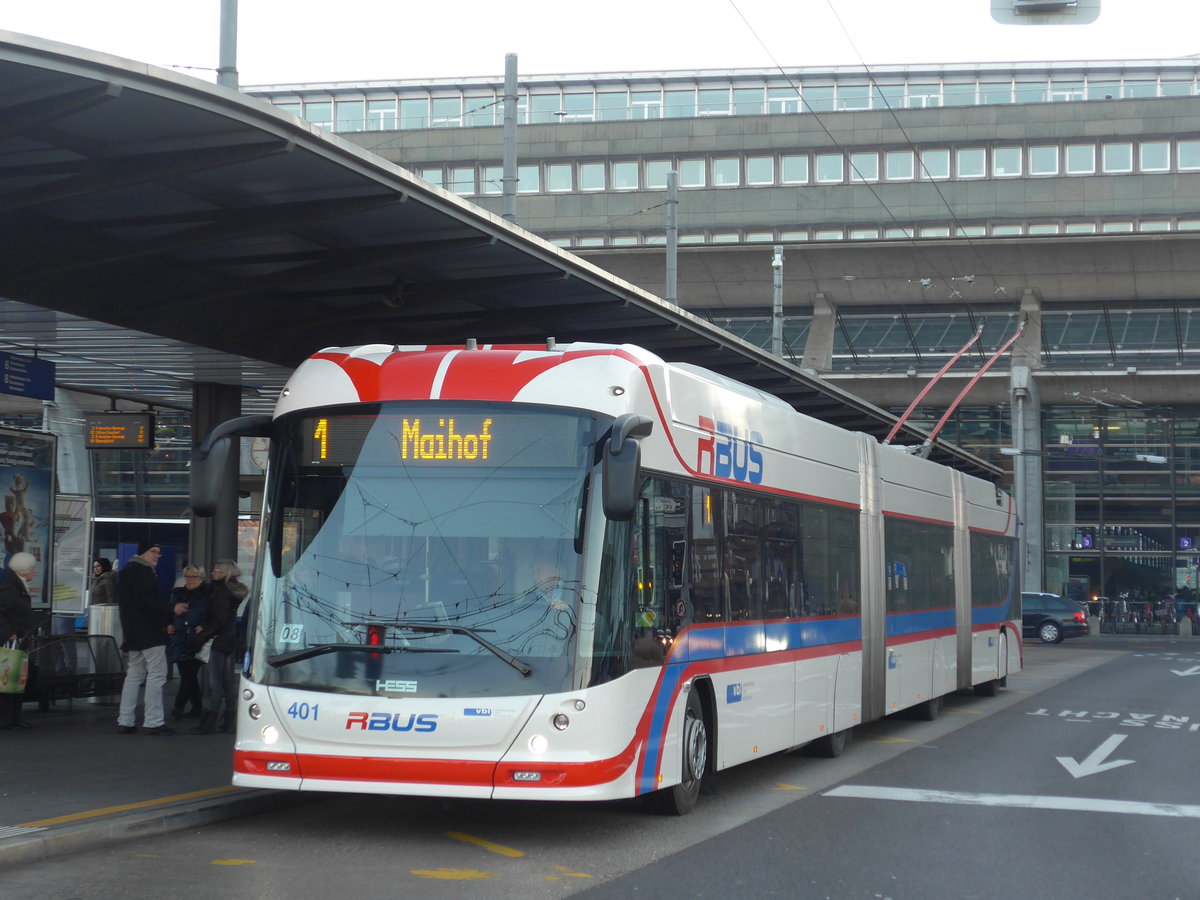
(184, 642)
(104, 582)
(225, 595)
(144, 620)
(16, 620)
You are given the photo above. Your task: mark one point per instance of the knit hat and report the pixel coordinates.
(143, 546)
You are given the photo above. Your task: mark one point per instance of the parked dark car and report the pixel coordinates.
(1051, 617)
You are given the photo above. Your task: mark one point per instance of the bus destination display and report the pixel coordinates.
(118, 431)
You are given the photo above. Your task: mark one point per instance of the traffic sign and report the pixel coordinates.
(26, 376)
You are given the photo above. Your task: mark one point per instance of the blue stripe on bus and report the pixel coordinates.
(904, 624)
(991, 615)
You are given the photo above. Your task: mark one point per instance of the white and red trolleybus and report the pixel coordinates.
(582, 573)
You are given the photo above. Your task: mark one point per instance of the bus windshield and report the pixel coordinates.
(424, 549)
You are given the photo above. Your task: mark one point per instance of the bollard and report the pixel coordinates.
(1093, 625)
(1185, 627)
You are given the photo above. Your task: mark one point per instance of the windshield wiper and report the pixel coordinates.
(418, 625)
(282, 659)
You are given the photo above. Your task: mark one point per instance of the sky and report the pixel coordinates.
(289, 41)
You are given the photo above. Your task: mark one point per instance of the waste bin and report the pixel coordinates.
(104, 620)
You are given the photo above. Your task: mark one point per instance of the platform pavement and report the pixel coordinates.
(70, 782)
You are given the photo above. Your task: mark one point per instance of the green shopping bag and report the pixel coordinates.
(14, 670)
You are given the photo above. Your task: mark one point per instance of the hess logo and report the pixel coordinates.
(726, 453)
(382, 721)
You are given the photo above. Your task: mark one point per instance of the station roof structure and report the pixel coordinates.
(161, 230)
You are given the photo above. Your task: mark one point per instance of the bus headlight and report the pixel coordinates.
(270, 734)
(255, 711)
(538, 745)
(560, 721)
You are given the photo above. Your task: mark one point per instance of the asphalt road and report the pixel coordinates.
(1079, 781)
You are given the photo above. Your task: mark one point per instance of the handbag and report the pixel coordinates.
(204, 652)
(14, 668)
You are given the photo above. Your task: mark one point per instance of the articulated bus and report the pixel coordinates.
(579, 572)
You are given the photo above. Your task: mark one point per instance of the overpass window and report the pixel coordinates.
(864, 234)
(1118, 158)
(748, 101)
(760, 237)
(462, 181)
(646, 104)
(793, 169)
(1043, 160)
(319, 113)
(351, 115)
(624, 241)
(828, 234)
(854, 96)
(1103, 90)
(864, 166)
(590, 242)
(579, 107)
(1140, 89)
(1044, 228)
(924, 95)
(725, 238)
(971, 231)
(679, 104)
(612, 107)
(381, 115)
(542, 108)
(1006, 230)
(995, 92)
(529, 179)
(1154, 156)
(591, 176)
(970, 162)
(830, 168)
(691, 173)
(1154, 226)
(414, 113)
(559, 177)
(1117, 227)
(783, 100)
(1170, 88)
(480, 111)
(1006, 162)
(296, 109)
(714, 102)
(624, 176)
(491, 180)
(935, 164)
(1065, 91)
(897, 232)
(691, 239)
(1188, 225)
(1189, 155)
(818, 98)
(433, 176)
(958, 93)
(932, 231)
(1080, 228)
(1081, 159)
(656, 173)
(760, 170)
(726, 172)
(888, 96)
(1030, 90)
(447, 112)
(900, 165)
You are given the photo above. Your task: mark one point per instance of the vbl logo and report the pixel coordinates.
(730, 455)
(381, 721)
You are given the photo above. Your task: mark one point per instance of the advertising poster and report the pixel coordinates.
(72, 558)
(27, 492)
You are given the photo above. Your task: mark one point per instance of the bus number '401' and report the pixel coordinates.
(302, 710)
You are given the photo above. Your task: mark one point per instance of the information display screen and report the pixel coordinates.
(118, 431)
(442, 437)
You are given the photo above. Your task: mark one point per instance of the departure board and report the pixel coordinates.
(118, 431)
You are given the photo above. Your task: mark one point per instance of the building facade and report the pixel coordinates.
(915, 207)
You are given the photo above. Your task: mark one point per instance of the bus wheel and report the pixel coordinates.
(681, 799)
(988, 688)
(830, 746)
(927, 711)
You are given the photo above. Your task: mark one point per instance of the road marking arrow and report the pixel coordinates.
(1194, 670)
(1094, 761)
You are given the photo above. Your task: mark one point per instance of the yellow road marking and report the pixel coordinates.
(568, 873)
(965, 712)
(126, 807)
(789, 787)
(486, 845)
(452, 874)
(889, 740)
(233, 862)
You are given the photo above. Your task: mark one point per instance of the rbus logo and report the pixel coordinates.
(381, 721)
(730, 455)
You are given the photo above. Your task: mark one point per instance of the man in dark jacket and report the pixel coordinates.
(16, 621)
(145, 616)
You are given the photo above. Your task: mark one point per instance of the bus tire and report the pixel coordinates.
(928, 710)
(830, 746)
(680, 799)
(988, 688)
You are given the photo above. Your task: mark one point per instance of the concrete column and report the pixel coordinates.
(818, 349)
(1027, 474)
(62, 418)
(215, 537)
(1027, 351)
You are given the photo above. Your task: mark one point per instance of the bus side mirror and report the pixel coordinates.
(621, 465)
(211, 456)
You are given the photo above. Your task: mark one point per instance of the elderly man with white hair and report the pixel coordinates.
(16, 620)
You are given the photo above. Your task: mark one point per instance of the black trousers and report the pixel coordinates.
(10, 708)
(189, 684)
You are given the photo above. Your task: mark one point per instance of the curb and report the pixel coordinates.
(41, 843)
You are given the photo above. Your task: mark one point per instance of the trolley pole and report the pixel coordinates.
(509, 180)
(777, 302)
(672, 212)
